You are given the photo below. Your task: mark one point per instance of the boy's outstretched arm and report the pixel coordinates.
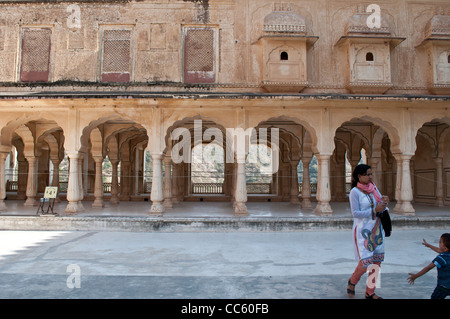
(426, 244)
(426, 269)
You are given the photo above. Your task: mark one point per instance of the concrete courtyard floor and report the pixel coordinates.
(236, 265)
(214, 264)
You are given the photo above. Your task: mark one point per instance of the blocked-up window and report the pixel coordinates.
(369, 56)
(199, 55)
(116, 56)
(35, 54)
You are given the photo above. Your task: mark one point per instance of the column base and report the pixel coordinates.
(240, 209)
(439, 203)
(98, 203)
(114, 201)
(157, 209)
(31, 201)
(125, 198)
(74, 207)
(2, 206)
(306, 204)
(323, 209)
(405, 208)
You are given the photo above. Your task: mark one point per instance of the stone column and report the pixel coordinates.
(83, 170)
(22, 179)
(175, 171)
(73, 187)
(377, 173)
(125, 181)
(136, 171)
(389, 181)
(240, 208)
(98, 190)
(353, 164)
(306, 184)
(114, 183)
(294, 184)
(439, 182)
(156, 196)
(31, 181)
(233, 182)
(323, 207)
(182, 181)
(405, 207)
(81, 186)
(167, 182)
(55, 177)
(398, 183)
(340, 193)
(2, 181)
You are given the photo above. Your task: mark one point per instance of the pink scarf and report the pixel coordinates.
(370, 188)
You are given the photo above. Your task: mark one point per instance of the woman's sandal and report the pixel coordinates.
(350, 289)
(374, 296)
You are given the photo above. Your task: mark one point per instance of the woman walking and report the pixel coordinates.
(367, 206)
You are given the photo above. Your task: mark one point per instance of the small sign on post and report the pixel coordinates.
(49, 197)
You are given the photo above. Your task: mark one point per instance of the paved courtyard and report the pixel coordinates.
(237, 265)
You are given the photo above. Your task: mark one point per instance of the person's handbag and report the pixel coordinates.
(386, 223)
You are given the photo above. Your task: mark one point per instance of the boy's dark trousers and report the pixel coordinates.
(440, 292)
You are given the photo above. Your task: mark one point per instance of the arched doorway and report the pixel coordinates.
(36, 151)
(290, 145)
(112, 161)
(431, 164)
(362, 141)
(196, 166)
(207, 173)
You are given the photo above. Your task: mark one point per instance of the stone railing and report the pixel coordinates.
(207, 188)
(259, 188)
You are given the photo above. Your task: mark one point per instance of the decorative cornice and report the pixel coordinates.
(369, 87)
(284, 28)
(285, 83)
(370, 84)
(441, 31)
(366, 29)
(228, 95)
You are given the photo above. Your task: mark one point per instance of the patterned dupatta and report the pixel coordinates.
(374, 237)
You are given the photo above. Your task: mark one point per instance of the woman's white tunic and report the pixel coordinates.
(368, 249)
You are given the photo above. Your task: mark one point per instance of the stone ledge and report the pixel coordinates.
(232, 224)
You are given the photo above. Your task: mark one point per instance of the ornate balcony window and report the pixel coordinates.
(369, 54)
(437, 46)
(285, 43)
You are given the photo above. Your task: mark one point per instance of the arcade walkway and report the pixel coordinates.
(205, 217)
(211, 209)
(270, 210)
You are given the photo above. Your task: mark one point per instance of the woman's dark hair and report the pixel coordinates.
(360, 169)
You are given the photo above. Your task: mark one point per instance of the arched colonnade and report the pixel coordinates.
(408, 149)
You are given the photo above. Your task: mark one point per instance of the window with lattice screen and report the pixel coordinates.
(116, 56)
(35, 54)
(199, 55)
